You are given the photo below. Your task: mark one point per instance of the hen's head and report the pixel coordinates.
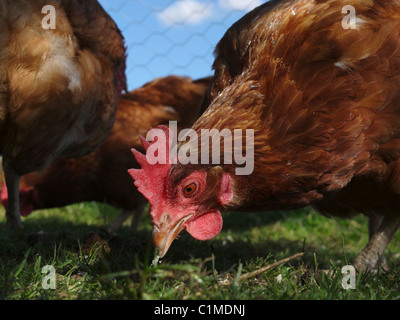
(181, 197)
(28, 199)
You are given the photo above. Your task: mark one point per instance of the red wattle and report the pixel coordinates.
(205, 227)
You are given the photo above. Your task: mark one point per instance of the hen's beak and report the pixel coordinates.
(165, 233)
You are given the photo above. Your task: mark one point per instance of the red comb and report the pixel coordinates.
(155, 164)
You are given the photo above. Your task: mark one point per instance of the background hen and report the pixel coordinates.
(58, 87)
(101, 175)
(323, 102)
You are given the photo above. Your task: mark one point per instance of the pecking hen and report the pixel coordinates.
(319, 90)
(101, 175)
(59, 84)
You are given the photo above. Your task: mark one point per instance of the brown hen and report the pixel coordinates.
(58, 87)
(323, 101)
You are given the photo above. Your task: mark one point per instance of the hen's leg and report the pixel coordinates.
(119, 221)
(12, 213)
(370, 257)
(137, 215)
(374, 222)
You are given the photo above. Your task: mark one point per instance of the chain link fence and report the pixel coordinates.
(167, 37)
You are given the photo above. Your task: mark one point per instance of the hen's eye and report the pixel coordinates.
(190, 189)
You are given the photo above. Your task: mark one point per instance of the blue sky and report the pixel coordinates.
(173, 37)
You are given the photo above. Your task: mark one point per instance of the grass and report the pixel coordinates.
(92, 264)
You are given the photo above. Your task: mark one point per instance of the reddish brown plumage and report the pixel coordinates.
(102, 175)
(58, 87)
(324, 104)
(318, 124)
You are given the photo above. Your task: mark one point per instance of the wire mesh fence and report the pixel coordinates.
(167, 37)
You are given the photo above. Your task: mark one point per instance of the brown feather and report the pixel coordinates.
(327, 120)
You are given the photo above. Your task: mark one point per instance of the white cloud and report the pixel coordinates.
(240, 5)
(186, 12)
